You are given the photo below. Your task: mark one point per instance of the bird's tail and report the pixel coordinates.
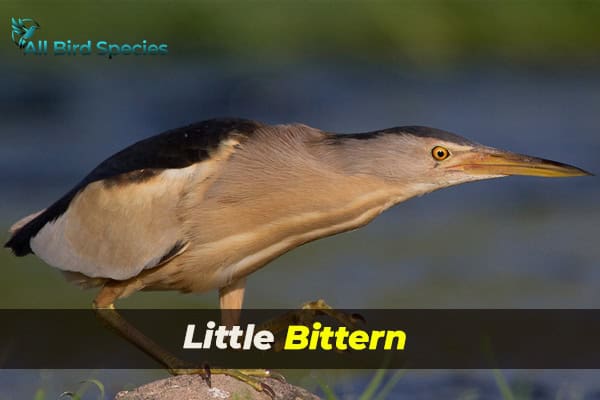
(20, 243)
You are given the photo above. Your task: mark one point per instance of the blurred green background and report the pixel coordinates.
(520, 75)
(431, 34)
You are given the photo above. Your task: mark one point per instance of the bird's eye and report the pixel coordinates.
(440, 153)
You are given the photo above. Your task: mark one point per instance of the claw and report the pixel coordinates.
(277, 375)
(267, 389)
(207, 375)
(358, 317)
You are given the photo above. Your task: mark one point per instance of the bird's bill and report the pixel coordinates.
(498, 162)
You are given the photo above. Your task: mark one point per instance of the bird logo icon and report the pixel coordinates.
(23, 30)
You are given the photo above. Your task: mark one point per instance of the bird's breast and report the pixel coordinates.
(246, 236)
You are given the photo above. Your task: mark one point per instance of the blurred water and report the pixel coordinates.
(518, 242)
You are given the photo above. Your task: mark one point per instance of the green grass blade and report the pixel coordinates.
(373, 385)
(329, 394)
(39, 395)
(503, 386)
(84, 386)
(94, 382)
(390, 384)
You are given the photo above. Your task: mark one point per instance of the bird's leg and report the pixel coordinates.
(106, 311)
(231, 299)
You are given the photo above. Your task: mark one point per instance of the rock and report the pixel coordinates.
(192, 387)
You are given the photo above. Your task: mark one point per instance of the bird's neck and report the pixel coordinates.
(371, 159)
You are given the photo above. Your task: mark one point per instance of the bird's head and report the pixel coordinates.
(423, 159)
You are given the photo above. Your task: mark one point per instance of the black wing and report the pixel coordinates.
(176, 148)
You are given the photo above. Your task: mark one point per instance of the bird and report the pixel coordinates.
(23, 30)
(201, 207)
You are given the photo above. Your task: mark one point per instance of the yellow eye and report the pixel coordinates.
(440, 153)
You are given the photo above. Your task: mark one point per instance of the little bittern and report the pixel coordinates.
(202, 207)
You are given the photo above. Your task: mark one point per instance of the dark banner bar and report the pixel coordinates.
(540, 339)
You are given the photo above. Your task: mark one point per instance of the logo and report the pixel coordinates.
(23, 30)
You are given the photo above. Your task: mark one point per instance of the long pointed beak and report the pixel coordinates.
(498, 162)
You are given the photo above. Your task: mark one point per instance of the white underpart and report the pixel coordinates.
(56, 244)
(50, 245)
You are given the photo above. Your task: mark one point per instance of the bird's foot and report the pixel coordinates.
(346, 319)
(252, 377)
(306, 315)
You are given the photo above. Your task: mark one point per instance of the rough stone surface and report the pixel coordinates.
(192, 387)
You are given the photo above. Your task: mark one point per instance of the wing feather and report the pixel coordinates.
(122, 217)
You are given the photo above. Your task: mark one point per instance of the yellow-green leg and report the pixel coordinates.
(104, 307)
